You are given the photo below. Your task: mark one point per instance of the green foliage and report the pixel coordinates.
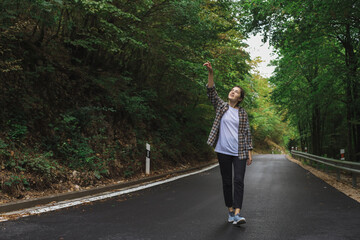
(266, 122)
(136, 105)
(317, 71)
(17, 131)
(128, 172)
(43, 165)
(71, 145)
(39, 164)
(3, 147)
(15, 181)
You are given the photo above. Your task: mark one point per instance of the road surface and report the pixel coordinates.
(282, 201)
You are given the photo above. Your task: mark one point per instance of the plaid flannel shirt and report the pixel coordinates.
(244, 140)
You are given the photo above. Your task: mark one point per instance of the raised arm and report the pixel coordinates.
(211, 92)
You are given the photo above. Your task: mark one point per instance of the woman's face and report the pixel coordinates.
(234, 94)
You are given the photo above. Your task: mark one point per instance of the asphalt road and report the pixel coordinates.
(282, 201)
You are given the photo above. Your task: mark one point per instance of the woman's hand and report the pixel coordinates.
(249, 161)
(208, 66)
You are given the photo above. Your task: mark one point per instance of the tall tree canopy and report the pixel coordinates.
(317, 77)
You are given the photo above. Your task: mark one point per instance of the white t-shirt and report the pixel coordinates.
(228, 135)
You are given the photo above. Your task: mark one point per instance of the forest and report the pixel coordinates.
(85, 84)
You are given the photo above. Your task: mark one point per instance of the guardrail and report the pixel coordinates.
(353, 167)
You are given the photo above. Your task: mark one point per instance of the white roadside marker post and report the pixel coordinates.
(342, 157)
(342, 154)
(147, 167)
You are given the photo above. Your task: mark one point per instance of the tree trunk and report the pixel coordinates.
(303, 142)
(351, 97)
(316, 131)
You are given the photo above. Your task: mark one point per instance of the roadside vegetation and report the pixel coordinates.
(85, 84)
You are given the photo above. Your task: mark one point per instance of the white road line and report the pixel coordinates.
(70, 203)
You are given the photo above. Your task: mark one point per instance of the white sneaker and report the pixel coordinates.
(239, 220)
(231, 217)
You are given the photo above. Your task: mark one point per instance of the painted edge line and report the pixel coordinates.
(97, 197)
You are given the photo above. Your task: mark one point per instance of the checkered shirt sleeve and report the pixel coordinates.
(214, 98)
(220, 109)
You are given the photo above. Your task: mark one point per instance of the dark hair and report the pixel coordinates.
(242, 95)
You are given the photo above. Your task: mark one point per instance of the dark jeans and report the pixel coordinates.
(226, 163)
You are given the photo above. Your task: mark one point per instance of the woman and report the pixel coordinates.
(231, 137)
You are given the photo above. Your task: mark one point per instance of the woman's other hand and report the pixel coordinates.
(249, 161)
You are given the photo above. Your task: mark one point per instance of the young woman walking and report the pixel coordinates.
(231, 137)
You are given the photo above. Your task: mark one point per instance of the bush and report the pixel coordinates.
(17, 132)
(70, 145)
(14, 185)
(42, 165)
